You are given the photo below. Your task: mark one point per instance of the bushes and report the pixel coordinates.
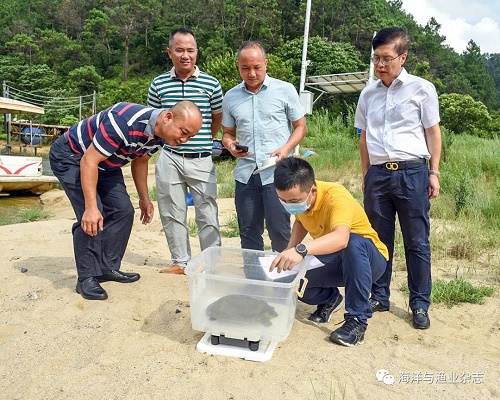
(462, 114)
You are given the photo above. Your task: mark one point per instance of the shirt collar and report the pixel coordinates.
(195, 74)
(150, 128)
(265, 84)
(402, 77)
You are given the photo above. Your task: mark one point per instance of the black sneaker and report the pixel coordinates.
(421, 319)
(323, 313)
(378, 306)
(351, 333)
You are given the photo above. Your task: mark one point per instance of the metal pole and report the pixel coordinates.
(5, 90)
(80, 109)
(303, 67)
(304, 48)
(372, 66)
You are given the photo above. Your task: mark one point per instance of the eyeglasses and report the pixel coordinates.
(384, 60)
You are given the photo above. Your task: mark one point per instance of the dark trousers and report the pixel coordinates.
(405, 193)
(356, 267)
(103, 252)
(256, 203)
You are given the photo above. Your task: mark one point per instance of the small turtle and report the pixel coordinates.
(242, 308)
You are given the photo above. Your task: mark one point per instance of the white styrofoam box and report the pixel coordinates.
(260, 308)
(20, 166)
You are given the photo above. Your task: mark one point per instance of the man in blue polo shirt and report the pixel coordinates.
(188, 165)
(87, 160)
(266, 115)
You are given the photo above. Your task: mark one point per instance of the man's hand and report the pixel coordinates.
(235, 152)
(433, 186)
(286, 260)
(281, 153)
(147, 211)
(92, 221)
(229, 141)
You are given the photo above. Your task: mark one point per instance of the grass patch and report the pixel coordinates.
(225, 179)
(333, 394)
(192, 227)
(232, 229)
(31, 214)
(153, 196)
(456, 291)
(226, 190)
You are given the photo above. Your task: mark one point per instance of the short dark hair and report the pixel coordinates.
(251, 44)
(398, 36)
(182, 31)
(291, 172)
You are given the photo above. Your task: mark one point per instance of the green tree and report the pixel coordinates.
(59, 52)
(84, 80)
(492, 62)
(37, 79)
(326, 57)
(482, 84)
(131, 18)
(11, 67)
(23, 45)
(113, 91)
(97, 38)
(462, 114)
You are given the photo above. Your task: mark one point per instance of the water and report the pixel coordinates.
(10, 206)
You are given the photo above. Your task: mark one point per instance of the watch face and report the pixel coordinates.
(301, 248)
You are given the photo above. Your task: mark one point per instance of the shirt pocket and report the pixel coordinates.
(409, 112)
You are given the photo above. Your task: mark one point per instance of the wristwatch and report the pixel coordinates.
(301, 249)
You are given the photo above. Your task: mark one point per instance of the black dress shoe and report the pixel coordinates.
(377, 306)
(421, 319)
(90, 289)
(118, 276)
(323, 313)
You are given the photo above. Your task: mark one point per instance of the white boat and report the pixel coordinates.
(24, 175)
(19, 174)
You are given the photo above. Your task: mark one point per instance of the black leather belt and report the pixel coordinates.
(189, 155)
(396, 165)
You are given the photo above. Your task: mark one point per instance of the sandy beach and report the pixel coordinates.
(139, 343)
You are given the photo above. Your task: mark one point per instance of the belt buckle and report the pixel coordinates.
(393, 166)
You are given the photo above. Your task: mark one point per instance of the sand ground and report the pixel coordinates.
(139, 344)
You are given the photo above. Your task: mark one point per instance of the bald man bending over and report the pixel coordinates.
(87, 160)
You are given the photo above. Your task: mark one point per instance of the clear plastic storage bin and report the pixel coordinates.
(233, 295)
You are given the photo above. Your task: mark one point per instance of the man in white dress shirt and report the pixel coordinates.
(400, 150)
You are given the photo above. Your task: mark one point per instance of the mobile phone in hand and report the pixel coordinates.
(241, 148)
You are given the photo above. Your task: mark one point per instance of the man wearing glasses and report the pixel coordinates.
(400, 148)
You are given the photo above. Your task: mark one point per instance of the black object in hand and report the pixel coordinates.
(241, 148)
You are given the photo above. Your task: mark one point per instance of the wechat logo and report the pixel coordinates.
(384, 376)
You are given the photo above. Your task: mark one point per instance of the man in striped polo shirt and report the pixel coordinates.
(87, 160)
(188, 165)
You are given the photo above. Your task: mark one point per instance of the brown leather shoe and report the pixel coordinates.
(174, 269)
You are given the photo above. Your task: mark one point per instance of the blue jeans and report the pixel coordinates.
(405, 193)
(356, 267)
(256, 203)
(103, 252)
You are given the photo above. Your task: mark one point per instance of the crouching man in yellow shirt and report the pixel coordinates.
(343, 240)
